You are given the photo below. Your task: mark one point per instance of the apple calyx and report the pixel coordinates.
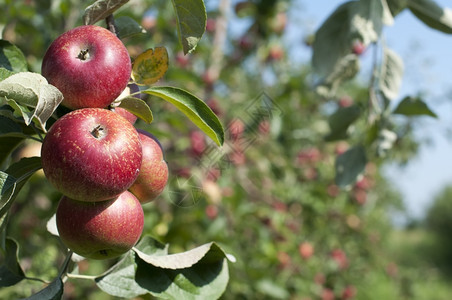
(83, 54)
(98, 132)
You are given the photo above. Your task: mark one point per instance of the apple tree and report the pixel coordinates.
(80, 106)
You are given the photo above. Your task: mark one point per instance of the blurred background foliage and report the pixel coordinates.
(268, 196)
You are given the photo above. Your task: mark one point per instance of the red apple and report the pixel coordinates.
(153, 174)
(100, 230)
(89, 65)
(91, 154)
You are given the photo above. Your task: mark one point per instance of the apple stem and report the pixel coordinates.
(111, 24)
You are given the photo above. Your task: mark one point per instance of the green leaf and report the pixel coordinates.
(272, 289)
(183, 260)
(344, 70)
(54, 291)
(201, 273)
(397, 6)
(5, 73)
(26, 90)
(101, 9)
(367, 19)
(349, 165)
(128, 27)
(391, 74)
(11, 58)
(191, 22)
(9, 128)
(432, 14)
(10, 270)
(150, 66)
(137, 107)
(16, 176)
(194, 108)
(334, 33)
(151, 246)
(341, 120)
(7, 145)
(120, 281)
(414, 106)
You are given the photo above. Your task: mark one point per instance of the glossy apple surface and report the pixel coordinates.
(91, 154)
(89, 65)
(100, 230)
(153, 174)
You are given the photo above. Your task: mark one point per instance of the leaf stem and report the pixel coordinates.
(111, 25)
(80, 276)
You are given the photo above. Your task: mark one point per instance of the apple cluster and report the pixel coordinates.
(104, 166)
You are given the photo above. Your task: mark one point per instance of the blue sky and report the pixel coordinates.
(426, 54)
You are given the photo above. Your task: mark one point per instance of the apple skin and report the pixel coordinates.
(153, 174)
(91, 154)
(100, 230)
(89, 65)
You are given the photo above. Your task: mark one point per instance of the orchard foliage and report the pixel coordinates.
(294, 194)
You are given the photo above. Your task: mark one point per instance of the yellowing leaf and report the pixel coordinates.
(150, 66)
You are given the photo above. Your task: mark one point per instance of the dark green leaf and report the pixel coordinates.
(26, 90)
(191, 22)
(17, 175)
(432, 14)
(194, 108)
(413, 106)
(137, 107)
(120, 279)
(54, 291)
(334, 33)
(397, 6)
(10, 270)
(7, 145)
(11, 58)
(349, 165)
(341, 120)
(128, 27)
(101, 9)
(9, 128)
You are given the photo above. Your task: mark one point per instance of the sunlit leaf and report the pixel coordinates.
(101, 9)
(200, 273)
(194, 108)
(31, 96)
(120, 281)
(137, 107)
(191, 22)
(150, 66)
(391, 74)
